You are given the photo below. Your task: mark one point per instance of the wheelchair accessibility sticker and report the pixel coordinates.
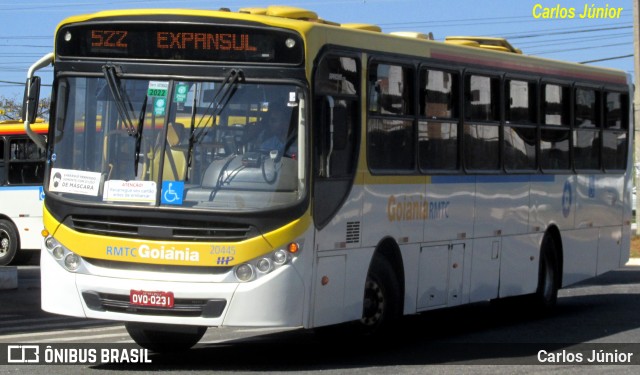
(172, 192)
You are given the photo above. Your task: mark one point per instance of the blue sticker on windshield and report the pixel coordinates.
(172, 192)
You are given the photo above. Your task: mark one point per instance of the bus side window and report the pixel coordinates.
(26, 162)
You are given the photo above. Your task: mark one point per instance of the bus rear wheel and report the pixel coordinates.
(381, 306)
(546, 294)
(163, 338)
(8, 242)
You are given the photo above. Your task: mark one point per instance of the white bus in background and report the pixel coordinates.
(21, 195)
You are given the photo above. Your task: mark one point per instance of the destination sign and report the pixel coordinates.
(186, 42)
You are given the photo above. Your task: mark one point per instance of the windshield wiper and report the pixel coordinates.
(225, 92)
(120, 97)
(192, 130)
(138, 134)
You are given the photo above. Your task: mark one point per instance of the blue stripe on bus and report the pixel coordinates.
(482, 179)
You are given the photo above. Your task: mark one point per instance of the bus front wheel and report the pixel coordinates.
(382, 301)
(8, 242)
(163, 338)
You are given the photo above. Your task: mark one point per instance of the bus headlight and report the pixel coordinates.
(244, 272)
(72, 262)
(66, 258)
(280, 257)
(264, 265)
(267, 263)
(58, 252)
(51, 243)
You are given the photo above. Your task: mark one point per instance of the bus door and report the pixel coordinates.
(337, 204)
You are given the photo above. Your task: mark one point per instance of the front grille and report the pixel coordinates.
(183, 307)
(160, 229)
(168, 268)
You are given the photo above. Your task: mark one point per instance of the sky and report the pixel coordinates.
(546, 28)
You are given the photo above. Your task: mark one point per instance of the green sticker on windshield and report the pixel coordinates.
(159, 106)
(181, 93)
(158, 89)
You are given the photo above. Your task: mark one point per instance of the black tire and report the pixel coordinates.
(162, 338)
(382, 304)
(8, 242)
(546, 295)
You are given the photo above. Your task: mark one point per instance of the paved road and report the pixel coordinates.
(604, 312)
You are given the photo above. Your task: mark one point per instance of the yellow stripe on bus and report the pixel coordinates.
(174, 252)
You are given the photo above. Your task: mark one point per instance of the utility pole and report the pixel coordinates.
(636, 98)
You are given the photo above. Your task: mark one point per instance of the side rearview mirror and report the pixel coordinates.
(31, 99)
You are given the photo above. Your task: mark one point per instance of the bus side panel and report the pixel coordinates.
(599, 200)
(341, 264)
(553, 202)
(451, 208)
(519, 264)
(502, 205)
(344, 229)
(609, 241)
(485, 269)
(339, 286)
(394, 210)
(580, 255)
(23, 205)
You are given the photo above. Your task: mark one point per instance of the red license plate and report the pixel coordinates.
(153, 299)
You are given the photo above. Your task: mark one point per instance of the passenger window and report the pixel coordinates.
(26, 162)
(438, 136)
(615, 134)
(482, 147)
(438, 93)
(481, 98)
(555, 137)
(519, 148)
(390, 89)
(556, 105)
(586, 135)
(481, 141)
(391, 144)
(438, 145)
(521, 104)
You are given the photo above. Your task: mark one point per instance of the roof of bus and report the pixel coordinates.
(14, 127)
(468, 50)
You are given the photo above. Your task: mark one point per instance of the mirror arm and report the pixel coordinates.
(44, 61)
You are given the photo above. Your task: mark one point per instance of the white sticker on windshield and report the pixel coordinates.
(75, 182)
(292, 99)
(158, 89)
(129, 191)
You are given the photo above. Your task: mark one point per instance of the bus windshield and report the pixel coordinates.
(217, 145)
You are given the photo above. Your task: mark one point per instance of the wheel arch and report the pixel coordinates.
(15, 228)
(389, 250)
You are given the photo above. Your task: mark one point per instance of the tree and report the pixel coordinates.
(11, 108)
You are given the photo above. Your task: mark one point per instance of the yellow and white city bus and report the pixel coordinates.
(268, 168)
